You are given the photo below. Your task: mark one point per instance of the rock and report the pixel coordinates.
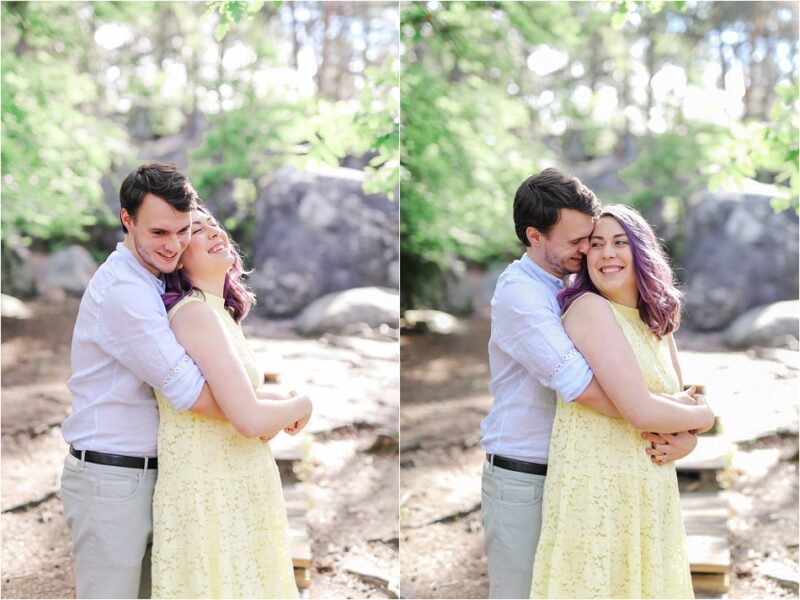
(336, 311)
(738, 254)
(768, 326)
(393, 274)
(486, 289)
(18, 274)
(69, 269)
(318, 233)
(434, 321)
(780, 572)
(457, 291)
(14, 308)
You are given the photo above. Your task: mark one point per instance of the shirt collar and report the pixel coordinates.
(534, 270)
(128, 256)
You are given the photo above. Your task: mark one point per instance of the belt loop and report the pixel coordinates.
(83, 460)
(491, 461)
(144, 473)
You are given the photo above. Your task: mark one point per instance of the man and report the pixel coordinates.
(532, 359)
(122, 347)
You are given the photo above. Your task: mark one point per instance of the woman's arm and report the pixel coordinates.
(597, 335)
(198, 329)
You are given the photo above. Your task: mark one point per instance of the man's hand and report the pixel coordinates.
(667, 447)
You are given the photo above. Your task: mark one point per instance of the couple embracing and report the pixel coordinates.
(169, 468)
(579, 489)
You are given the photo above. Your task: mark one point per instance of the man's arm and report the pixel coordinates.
(207, 406)
(530, 332)
(595, 398)
(133, 328)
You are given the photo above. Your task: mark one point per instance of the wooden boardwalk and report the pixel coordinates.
(705, 515)
(288, 453)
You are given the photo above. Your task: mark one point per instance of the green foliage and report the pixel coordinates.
(669, 164)
(756, 148)
(230, 12)
(54, 148)
(467, 140)
(75, 75)
(265, 133)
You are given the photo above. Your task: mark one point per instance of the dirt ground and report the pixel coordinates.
(444, 397)
(350, 463)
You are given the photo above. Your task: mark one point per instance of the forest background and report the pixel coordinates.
(648, 102)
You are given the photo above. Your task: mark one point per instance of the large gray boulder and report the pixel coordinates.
(320, 233)
(18, 273)
(69, 269)
(774, 325)
(335, 312)
(738, 254)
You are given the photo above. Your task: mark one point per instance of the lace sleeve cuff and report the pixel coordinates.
(181, 387)
(571, 375)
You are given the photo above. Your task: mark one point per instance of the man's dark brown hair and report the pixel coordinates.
(541, 196)
(160, 179)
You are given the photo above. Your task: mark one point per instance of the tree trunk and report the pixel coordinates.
(295, 37)
(322, 71)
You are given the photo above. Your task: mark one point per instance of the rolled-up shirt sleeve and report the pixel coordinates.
(532, 334)
(137, 334)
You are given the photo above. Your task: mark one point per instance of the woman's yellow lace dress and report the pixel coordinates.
(219, 523)
(611, 520)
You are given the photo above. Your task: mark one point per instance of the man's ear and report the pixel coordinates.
(126, 219)
(534, 236)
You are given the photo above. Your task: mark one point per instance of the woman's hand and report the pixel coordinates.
(685, 397)
(667, 447)
(298, 425)
(267, 438)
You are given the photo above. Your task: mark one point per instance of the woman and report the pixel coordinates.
(612, 524)
(219, 523)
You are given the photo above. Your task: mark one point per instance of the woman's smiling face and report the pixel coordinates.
(209, 253)
(610, 261)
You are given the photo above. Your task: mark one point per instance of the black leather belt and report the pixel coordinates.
(115, 460)
(517, 465)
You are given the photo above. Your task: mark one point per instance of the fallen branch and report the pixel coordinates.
(31, 503)
(454, 516)
(374, 576)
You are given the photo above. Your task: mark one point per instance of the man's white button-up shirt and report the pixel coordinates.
(122, 347)
(531, 359)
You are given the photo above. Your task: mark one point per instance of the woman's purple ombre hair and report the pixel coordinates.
(238, 297)
(659, 300)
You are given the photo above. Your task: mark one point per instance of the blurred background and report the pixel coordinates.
(280, 113)
(689, 112)
(285, 117)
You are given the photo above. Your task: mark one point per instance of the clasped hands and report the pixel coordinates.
(668, 447)
(292, 429)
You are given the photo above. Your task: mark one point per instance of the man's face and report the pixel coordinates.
(567, 242)
(159, 236)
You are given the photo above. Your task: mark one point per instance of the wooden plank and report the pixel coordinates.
(302, 577)
(287, 448)
(710, 583)
(705, 518)
(296, 509)
(709, 554)
(711, 454)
